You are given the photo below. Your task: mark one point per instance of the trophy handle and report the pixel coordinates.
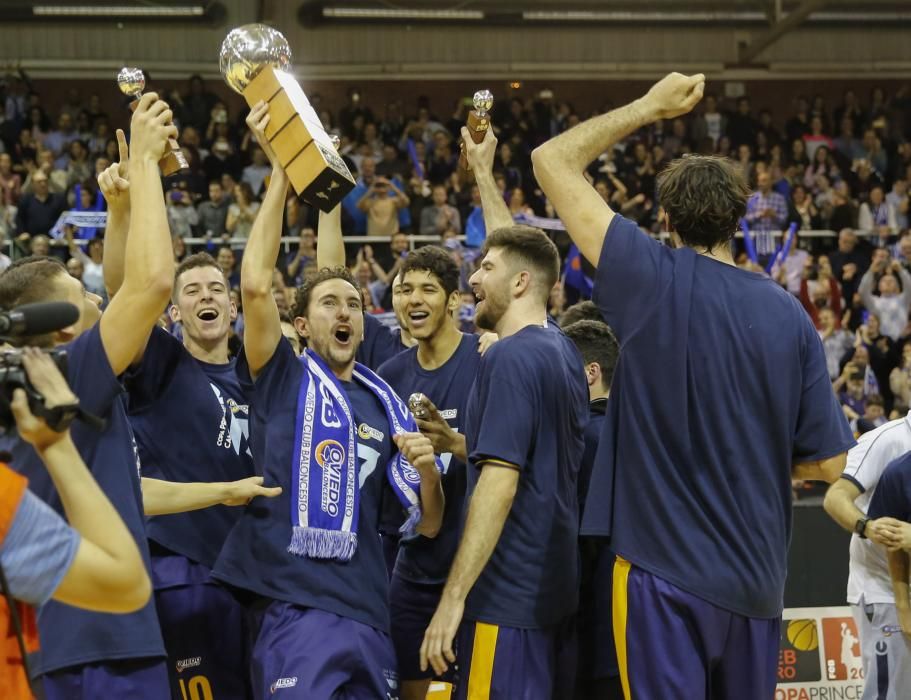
(173, 160)
(478, 125)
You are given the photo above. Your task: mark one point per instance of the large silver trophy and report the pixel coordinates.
(255, 60)
(132, 82)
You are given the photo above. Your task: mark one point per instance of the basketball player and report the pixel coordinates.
(89, 655)
(324, 427)
(514, 578)
(439, 368)
(721, 397)
(598, 676)
(886, 656)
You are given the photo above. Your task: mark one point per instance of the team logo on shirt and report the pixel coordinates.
(330, 455)
(283, 683)
(234, 429)
(367, 432)
(184, 664)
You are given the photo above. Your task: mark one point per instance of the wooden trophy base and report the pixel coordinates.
(314, 167)
(173, 160)
(477, 126)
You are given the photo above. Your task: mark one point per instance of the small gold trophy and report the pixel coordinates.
(131, 82)
(255, 60)
(478, 121)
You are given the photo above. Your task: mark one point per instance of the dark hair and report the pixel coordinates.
(529, 246)
(438, 263)
(875, 400)
(596, 343)
(191, 262)
(305, 291)
(704, 197)
(30, 280)
(581, 311)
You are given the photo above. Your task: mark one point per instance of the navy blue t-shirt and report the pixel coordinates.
(592, 436)
(529, 407)
(892, 498)
(422, 559)
(191, 422)
(720, 389)
(255, 556)
(70, 636)
(380, 343)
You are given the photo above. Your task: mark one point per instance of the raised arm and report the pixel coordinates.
(559, 164)
(115, 186)
(149, 258)
(487, 513)
(480, 157)
(865, 290)
(330, 246)
(262, 327)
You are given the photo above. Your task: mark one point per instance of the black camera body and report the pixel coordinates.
(13, 376)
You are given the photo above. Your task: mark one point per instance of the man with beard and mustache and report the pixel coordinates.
(190, 419)
(329, 432)
(427, 294)
(514, 578)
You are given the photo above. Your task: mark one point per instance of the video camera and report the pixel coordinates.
(21, 323)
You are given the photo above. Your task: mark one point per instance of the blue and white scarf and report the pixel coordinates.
(325, 500)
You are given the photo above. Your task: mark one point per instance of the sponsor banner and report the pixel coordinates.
(819, 655)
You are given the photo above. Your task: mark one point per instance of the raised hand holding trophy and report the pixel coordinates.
(478, 122)
(131, 82)
(255, 60)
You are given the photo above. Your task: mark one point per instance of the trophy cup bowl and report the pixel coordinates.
(483, 101)
(255, 61)
(247, 50)
(132, 82)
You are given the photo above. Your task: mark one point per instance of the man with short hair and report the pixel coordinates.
(599, 674)
(892, 304)
(440, 216)
(89, 655)
(39, 210)
(437, 369)
(886, 656)
(514, 578)
(332, 435)
(766, 215)
(672, 425)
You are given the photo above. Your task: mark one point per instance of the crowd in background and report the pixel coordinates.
(843, 167)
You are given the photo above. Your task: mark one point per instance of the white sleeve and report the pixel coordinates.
(868, 459)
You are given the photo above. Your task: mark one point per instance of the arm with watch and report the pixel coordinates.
(839, 504)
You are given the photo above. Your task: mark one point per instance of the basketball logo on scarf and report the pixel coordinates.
(330, 455)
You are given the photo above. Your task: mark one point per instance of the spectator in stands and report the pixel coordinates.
(847, 144)
(381, 203)
(799, 124)
(182, 216)
(900, 379)
(39, 210)
(58, 141)
(441, 216)
(213, 213)
(815, 138)
(844, 210)
(242, 211)
(873, 152)
(10, 182)
(256, 173)
(227, 261)
(92, 271)
(835, 341)
(897, 199)
(877, 215)
(892, 304)
(767, 214)
(742, 127)
(301, 261)
(805, 212)
(820, 290)
(57, 179)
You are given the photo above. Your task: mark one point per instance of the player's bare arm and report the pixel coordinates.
(559, 164)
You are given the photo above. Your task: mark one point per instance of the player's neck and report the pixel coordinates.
(520, 314)
(407, 340)
(722, 254)
(595, 394)
(435, 351)
(215, 353)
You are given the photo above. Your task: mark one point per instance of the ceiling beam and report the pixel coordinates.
(778, 29)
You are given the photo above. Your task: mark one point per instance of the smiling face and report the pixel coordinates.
(334, 322)
(426, 305)
(491, 286)
(202, 305)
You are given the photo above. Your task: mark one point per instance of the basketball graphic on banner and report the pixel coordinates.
(803, 635)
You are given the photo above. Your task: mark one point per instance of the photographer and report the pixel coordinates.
(93, 563)
(102, 655)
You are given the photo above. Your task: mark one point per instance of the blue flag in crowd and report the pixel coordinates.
(574, 276)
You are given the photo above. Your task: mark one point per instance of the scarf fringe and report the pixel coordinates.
(323, 544)
(409, 528)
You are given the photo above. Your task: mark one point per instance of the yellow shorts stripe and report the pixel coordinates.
(619, 609)
(480, 674)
